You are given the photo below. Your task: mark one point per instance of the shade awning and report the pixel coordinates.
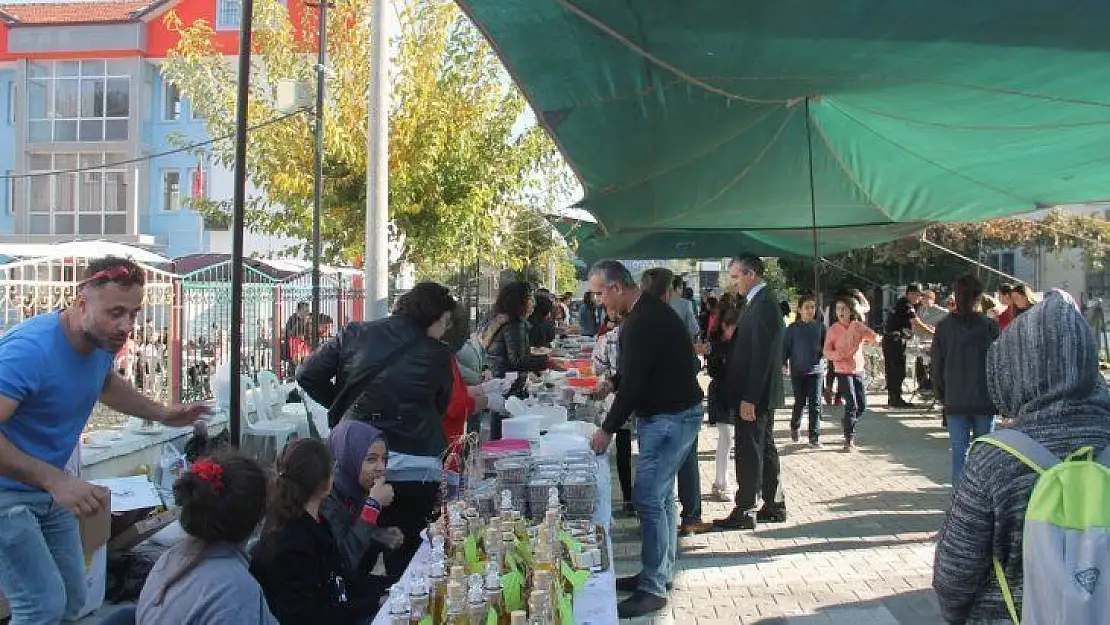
(741, 116)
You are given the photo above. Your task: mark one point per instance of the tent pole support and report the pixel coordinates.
(813, 208)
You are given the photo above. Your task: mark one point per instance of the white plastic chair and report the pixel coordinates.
(278, 410)
(262, 437)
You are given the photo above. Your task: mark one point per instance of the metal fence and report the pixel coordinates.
(277, 319)
(35, 286)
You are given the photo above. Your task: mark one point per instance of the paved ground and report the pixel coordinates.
(858, 546)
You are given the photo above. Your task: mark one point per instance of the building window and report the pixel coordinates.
(171, 102)
(13, 99)
(10, 184)
(93, 201)
(1003, 261)
(78, 101)
(195, 113)
(227, 14)
(171, 190)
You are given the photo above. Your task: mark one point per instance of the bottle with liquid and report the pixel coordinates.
(492, 545)
(508, 544)
(437, 581)
(400, 613)
(476, 606)
(419, 597)
(494, 598)
(539, 609)
(456, 605)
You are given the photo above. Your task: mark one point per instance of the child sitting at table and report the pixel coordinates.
(204, 579)
(358, 496)
(297, 560)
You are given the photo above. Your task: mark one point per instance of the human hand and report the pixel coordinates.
(179, 415)
(382, 492)
(602, 390)
(487, 375)
(600, 441)
(80, 498)
(747, 411)
(481, 402)
(391, 537)
(496, 402)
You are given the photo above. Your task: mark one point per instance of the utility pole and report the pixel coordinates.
(377, 167)
(238, 212)
(318, 174)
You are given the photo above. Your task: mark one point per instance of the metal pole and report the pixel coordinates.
(238, 211)
(318, 176)
(813, 209)
(377, 167)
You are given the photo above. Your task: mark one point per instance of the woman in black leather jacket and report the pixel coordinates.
(396, 374)
(505, 337)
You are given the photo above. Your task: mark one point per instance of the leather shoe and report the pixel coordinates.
(639, 604)
(737, 520)
(694, 528)
(632, 583)
(768, 514)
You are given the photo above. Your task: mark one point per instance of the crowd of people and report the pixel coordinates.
(321, 536)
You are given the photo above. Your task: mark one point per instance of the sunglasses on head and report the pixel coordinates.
(116, 273)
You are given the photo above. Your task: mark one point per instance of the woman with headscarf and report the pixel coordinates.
(1060, 400)
(358, 498)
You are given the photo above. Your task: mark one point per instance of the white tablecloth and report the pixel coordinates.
(596, 603)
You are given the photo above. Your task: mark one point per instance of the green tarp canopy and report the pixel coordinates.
(703, 127)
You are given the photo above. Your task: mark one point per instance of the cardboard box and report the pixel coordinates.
(95, 532)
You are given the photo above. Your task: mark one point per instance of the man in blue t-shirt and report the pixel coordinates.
(54, 367)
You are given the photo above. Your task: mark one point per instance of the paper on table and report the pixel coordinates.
(130, 493)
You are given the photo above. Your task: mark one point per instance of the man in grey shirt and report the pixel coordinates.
(689, 478)
(684, 308)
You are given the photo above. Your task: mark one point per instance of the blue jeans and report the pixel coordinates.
(689, 485)
(42, 563)
(962, 430)
(855, 401)
(807, 394)
(665, 440)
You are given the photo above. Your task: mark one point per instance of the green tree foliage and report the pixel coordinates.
(912, 259)
(459, 164)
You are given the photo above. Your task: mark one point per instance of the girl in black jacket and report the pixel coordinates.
(297, 561)
(716, 364)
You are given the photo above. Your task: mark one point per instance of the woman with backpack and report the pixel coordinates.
(1059, 401)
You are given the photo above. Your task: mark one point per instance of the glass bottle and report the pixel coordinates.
(494, 598)
(418, 595)
(437, 579)
(399, 611)
(476, 606)
(456, 604)
(508, 544)
(539, 609)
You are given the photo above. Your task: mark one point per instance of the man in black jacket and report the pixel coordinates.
(753, 386)
(656, 379)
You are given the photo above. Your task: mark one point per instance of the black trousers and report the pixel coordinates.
(624, 463)
(757, 462)
(894, 359)
(413, 507)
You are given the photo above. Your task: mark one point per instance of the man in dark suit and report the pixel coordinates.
(753, 385)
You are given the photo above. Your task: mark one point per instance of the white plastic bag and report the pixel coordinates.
(171, 465)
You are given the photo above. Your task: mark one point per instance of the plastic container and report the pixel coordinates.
(525, 427)
(579, 508)
(511, 471)
(579, 486)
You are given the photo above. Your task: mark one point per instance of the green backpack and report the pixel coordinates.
(1066, 538)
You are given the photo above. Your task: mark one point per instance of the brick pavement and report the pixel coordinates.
(857, 548)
